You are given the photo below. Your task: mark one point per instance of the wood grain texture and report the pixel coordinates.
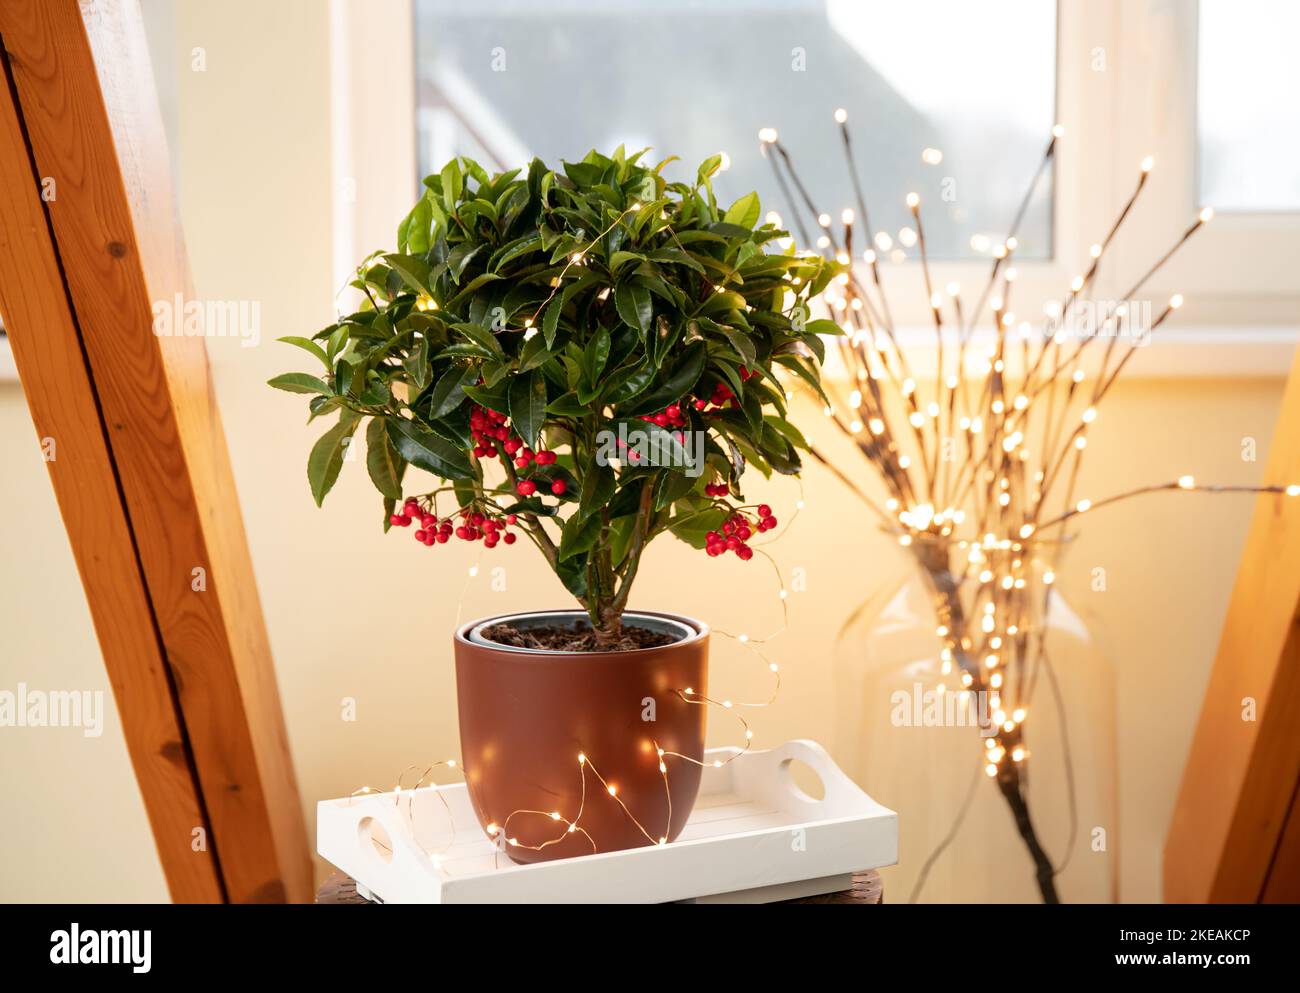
(1225, 840)
(56, 382)
(86, 96)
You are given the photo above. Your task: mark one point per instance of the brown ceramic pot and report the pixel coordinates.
(527, 715)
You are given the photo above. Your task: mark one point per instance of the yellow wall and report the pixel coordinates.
(356, 614)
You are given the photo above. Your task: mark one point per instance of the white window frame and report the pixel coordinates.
(1241, 315)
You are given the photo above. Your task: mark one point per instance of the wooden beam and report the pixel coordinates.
(59, 393)
(84, 97)
(1229, 840)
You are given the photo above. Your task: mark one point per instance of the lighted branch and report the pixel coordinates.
(971, 464)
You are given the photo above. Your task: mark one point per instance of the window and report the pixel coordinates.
(1248, 117)
(504, 80)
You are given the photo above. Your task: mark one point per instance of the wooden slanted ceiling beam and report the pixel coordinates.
(1235, 833)
(169, 557)
(61, 397)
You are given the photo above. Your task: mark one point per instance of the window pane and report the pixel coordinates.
(502, 80)
(1249, 117)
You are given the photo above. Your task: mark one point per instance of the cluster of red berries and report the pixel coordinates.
(527, 487)
(670, 417)
(736, 530)
(474, 526)
(491, 434)
(716, 489)
(492, 437)
(722, 395)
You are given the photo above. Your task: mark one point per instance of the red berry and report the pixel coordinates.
(527, 487)
(521, 463)
(558, 487)
(462, 532)
(512, 518)
(419, 535)
(744, 553)
(764, 510)
(509, 537)
(395, 520)
(442, 537)
(769, 521)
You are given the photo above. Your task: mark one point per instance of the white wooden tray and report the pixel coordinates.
(753, 836)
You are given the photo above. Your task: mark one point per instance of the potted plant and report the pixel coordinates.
(584, 358)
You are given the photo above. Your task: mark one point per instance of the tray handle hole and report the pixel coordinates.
(804, 780)
(374, 838)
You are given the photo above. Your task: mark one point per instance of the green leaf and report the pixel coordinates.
(595, 355)
(573, 574)
(707, 168)
(326, 458)
(469, 289)
(452, 185)
(414, 271)
(671, 487)
(418, 224)
(532, 505)
(480, 336)
(683, 378)
(449, 393)
(752, 406)
(598, 484)
(533, 354)
(744, 212)
(823, 326)
(791, 433)
(628, 499)
(551, 321)
(579, 535)
(382, 461)
(634, 306)
(336, 341)
(795, 365)
(520, 246)
(299, 382)
(694, 528)
(633, 384)
(428, 451)
(308, 345)
(527, 397)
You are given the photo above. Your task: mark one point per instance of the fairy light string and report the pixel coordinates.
(986, 522)
(502, 834)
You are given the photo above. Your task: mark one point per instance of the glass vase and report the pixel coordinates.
(922, 752)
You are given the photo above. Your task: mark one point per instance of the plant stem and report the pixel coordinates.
(1009, 784)
(935, 568)
(639, 537)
